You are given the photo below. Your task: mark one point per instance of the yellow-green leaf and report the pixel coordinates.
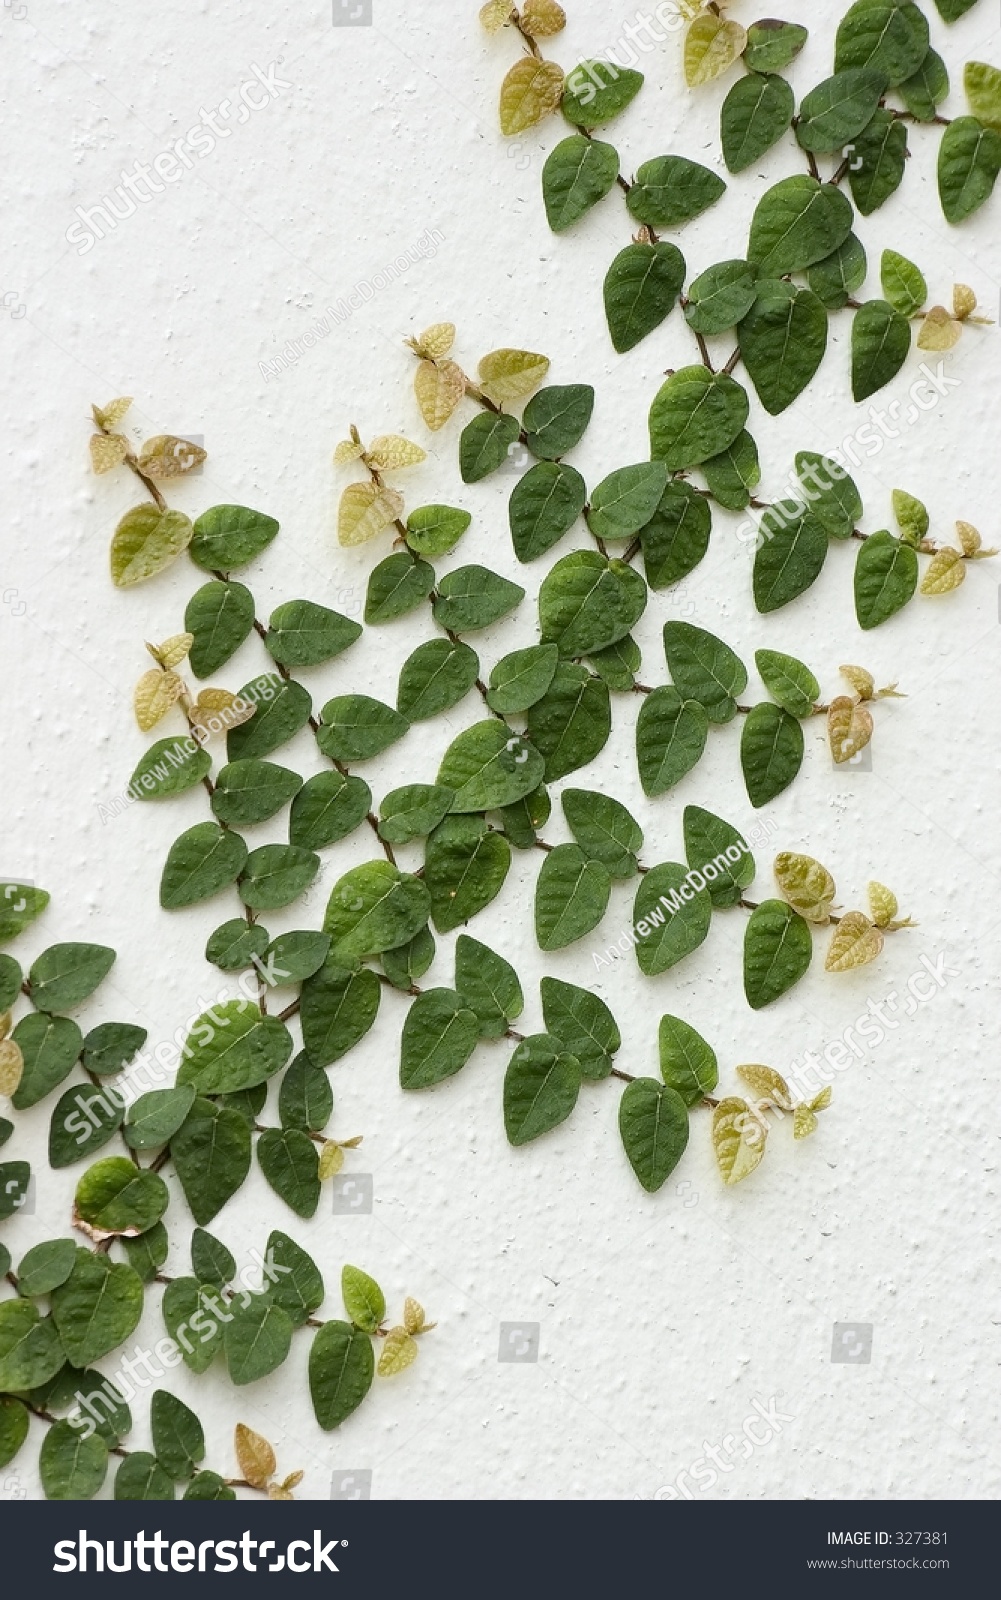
(808, 887)
(982, 83)
(11, 1066)
(110, 416)
(366, 509)
(391, 451)
(945, 573)
(821, 1101)
(712, 46)
(439, 386)
(849, 728)
(175, 649)
(145, 542)
(738, 1140)
(543, 19)
(531, 92)
(767, 1084)
(856, 942)
(155, 693)
(347, 451)
(804, 1122)
(510, 375)
(436, 341)
(964, 301)
(398, 1351)
(107, 451)
(939, 330)
(495, 14)
(331, 1160)
(166, 456)
(969, 538)
(255, 1456)
(883, 904)
(413, 1315)
(861, 681)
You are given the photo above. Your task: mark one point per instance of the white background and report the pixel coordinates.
(662, 1317)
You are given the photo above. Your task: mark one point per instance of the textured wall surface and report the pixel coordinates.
(661, 1319)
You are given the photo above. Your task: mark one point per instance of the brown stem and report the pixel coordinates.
(734, 362)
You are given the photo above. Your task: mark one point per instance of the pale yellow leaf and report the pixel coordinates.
(509, 375)
(166, 456)
(293, 1480)
(946, 571)
(890, 692)
(155, 693)
(277, 1491)
(969, 538)
(366, 510)
(767, 1084)
(398, 1351)
(348, 450)
(821, 1101)
(11, 1066)
(352, 1144)
(849, 728)
(390, 451)
(808, 887)
(804, 1123)
(110, 416)
(531, 92)
(436, 341)
(6, 1023)
(255, 1456)
(939, 330)
(712, 46)
(217, 700)
(738, 1140)
(861, 681)
(495, 14)
(855, 942)
(439, 386)
(175, 649)
(107, 451)
(543, 19)
(413, 1315)
(964, 301)
(331, 1160)
(883, 904)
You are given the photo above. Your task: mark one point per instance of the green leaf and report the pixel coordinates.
(705, 669)
(439, 1036)
(544, 505)
(465, 866)
(687, 1062)
(436, 530)
(397, 586)
(982, 83)
(191, 1321)
(541, 1086)
(50, 1046)
(617, 664)
(522, 678)
(148, 1252)
(886, 576)
(302, 634)
(97, 1307)
(571, 897)
(328, 808)
(11, 976)
(364, 1301)
(756, 113)
(923, 92)
(969, 160)
(436, 677)
(156, 1116)
(587, 602)
(15, 1177)
(696, 414)
(20, 904)
(337, 1010)
(252, 791)
(881, 342)
(356, 727)
(230, 536)
(653, 1124)
(372, 908)
(232, 1047)
(115, 1196)
(677, 536)
(111, 1046)
(146, 541)
(305, 1098)
(952, 10)
(65, 975)
(169, 767)
(489, 986)
(707, 840)
(891, 36)
(220, 616)
(290, 1161)
(838, 109)
(275, 875)
(211, 1262)
(14, 1427)
(257, 1341)
(835, 279)
(341, 1369)
(473, 597)
(72, 1465)
(878, 159)
(557, 418)
(45, 1266)
(903, 283)
(30, 1351)
(211, 1155)
(208, 1486)
(735, 474)
(487, 767)
(409, 962)
(484, 444)
(790, 557)
(413, 812)
(234, 944)
(641, 289)
(722, 296)
(522, 821)
(778, 949)
(624, 502)
(773, 45)
(831, 493)
(570, 725)
(141, 1477)
(797, 222)
(178, 1438)
(782, 339)
(299, 1289)
(671, 189)
(669, 925)
(771, 752)
(788, 681)
(283, 707)
(597, 91)
(671, 736)
(578, 173)
(605, 830)
(583, 1025)
(201, 862)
